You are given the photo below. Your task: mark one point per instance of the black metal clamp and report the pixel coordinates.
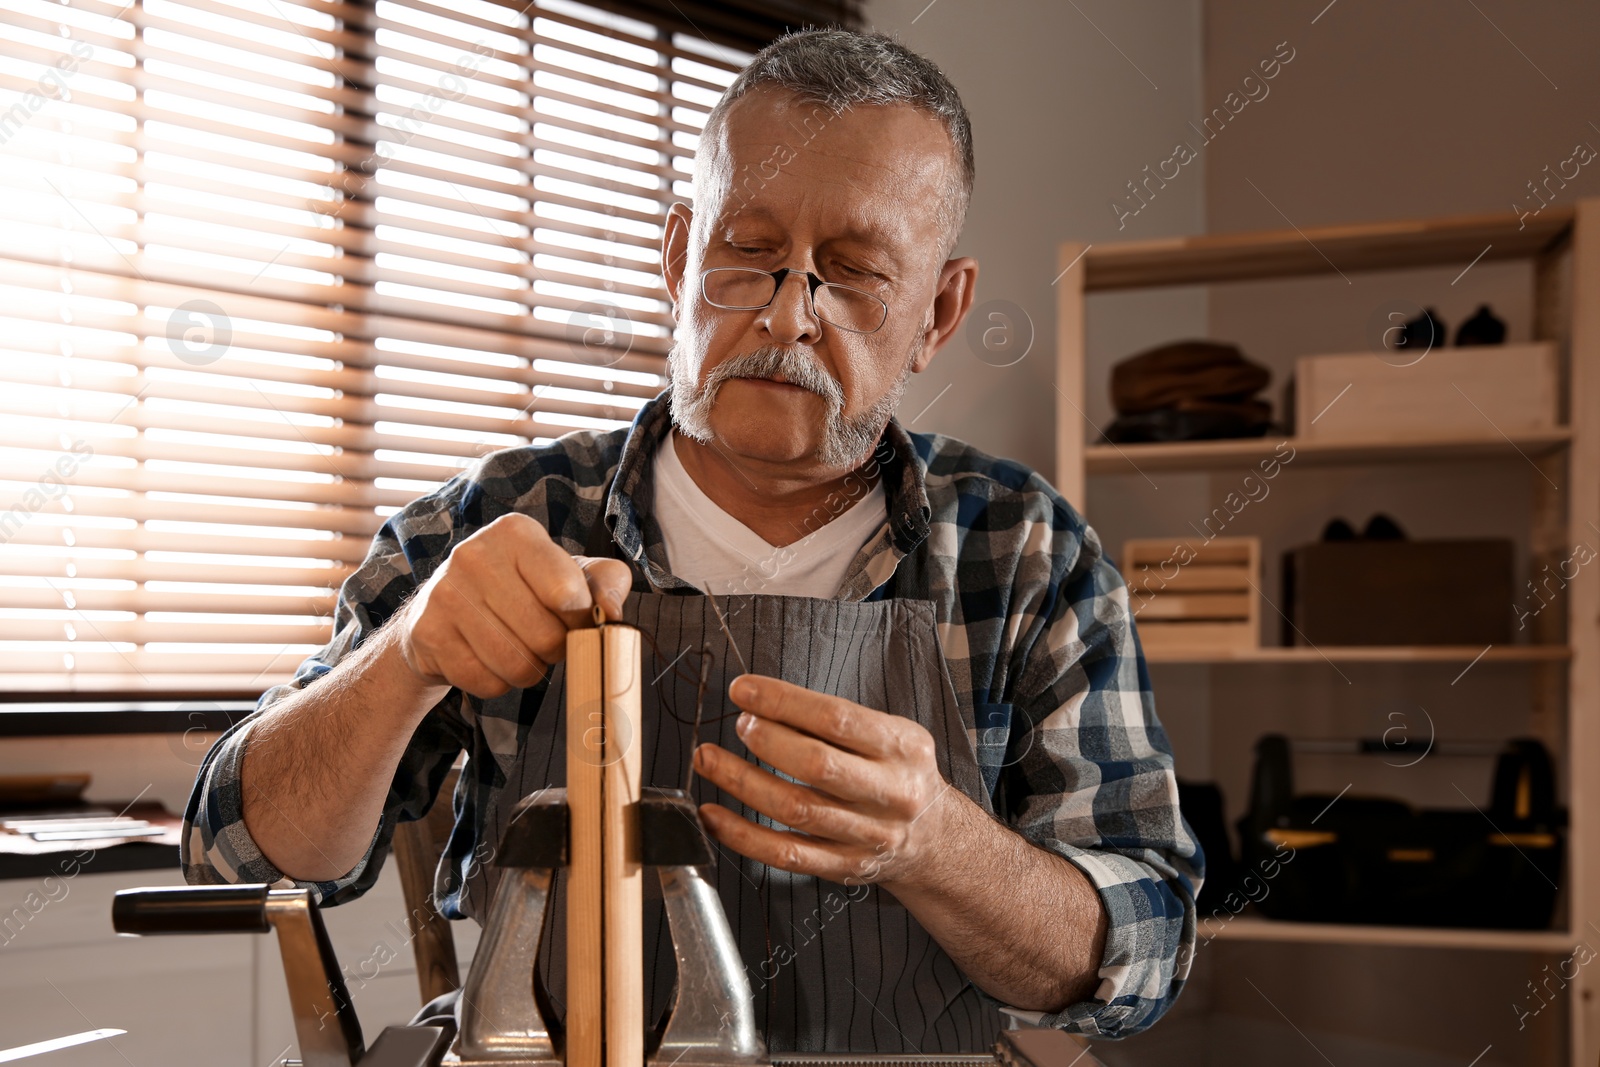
(325, 1021)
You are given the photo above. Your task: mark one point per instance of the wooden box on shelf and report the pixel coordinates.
(1446, 392)
(1194, 595)
(1446, 591)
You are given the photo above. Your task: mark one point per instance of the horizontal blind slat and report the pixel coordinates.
(144, 570)
(358, 523)
(39, 535)
(144, 480)
(109, 631)
(151, 668)
(197, 688)
(141, 600)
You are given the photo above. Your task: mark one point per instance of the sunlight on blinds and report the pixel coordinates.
(271, 269)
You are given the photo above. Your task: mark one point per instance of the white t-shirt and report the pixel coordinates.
(718, 554)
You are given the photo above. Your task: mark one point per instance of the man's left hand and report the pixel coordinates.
(871, 805)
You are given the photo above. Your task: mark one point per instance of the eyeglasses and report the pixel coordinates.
(748, 289)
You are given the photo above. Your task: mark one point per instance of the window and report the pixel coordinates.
(270, 269)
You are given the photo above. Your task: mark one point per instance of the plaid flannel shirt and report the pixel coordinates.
(1032, 616)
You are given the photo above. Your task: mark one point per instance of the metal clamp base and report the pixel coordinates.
(712, 1023)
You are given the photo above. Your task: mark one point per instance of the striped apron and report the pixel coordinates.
(832, 967)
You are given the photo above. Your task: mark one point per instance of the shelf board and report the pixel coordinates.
(1364, 654)
(1247, 453)
(1248, 928)
(1451, 241)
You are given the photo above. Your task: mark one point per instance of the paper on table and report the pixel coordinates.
(152, 815)
(98, 835)
(38, 1048)
(38, 826)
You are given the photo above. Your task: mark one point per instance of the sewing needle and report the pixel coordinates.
(728, 633)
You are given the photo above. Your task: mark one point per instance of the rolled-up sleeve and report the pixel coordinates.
(216, 846)
(1091, 779)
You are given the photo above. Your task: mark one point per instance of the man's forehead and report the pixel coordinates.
(897, 138)
(840, 220)
(777, 147)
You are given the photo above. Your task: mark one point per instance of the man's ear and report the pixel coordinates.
(675, 248)
(952, 300)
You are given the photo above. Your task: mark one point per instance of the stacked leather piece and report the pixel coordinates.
(1188, 391)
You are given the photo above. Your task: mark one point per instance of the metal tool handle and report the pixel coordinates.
(324, 1019)
(233, 909)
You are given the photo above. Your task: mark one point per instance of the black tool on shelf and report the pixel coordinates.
(1204, 810)
(1361, 859)
(1483, 328)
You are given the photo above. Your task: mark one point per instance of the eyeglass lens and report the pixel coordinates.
(744, 289)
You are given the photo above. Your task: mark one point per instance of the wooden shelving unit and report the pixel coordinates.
(1224, 455)
(1376, 654)
(1247, 928)
(1563, 246)
(1234, 257)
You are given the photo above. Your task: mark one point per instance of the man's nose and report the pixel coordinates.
(790, 318)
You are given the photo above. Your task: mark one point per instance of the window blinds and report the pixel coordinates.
(271, 269)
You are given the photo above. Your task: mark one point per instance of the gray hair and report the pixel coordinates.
(841, 69)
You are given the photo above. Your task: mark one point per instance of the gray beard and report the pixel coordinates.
(845, 441)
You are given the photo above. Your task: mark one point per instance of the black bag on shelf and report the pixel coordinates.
(1201, 806)
(1376, 860)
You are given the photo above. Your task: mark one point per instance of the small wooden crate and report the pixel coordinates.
(1449, 392)
(1194, 595)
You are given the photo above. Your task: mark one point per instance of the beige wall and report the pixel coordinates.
(1061, 119)
(1420, 107)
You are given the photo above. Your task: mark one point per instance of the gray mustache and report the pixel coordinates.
(796, 367)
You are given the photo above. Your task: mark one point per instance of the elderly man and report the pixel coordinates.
(928, 752)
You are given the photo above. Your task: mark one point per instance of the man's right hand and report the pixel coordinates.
(496, 614)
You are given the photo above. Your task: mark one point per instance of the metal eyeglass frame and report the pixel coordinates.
(813, 283)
